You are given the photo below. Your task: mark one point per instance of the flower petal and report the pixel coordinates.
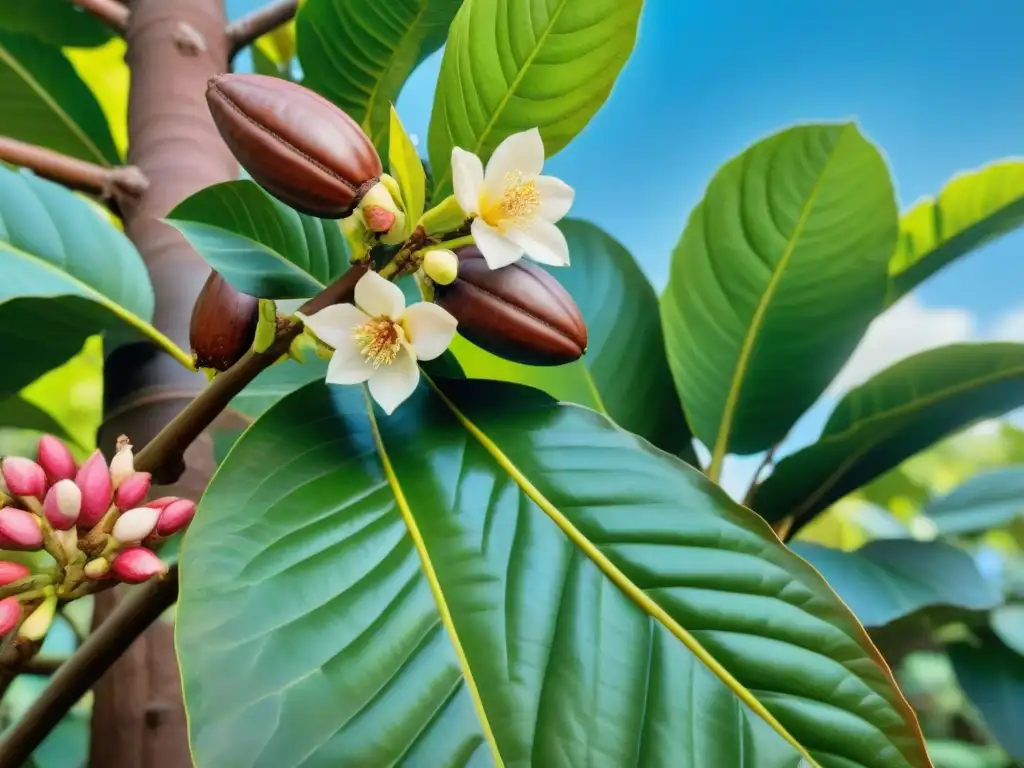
(497, 251)
(334, 325)
(522, 152)
(555, 198)
(391, 385)
(429, 329)
(349, 366)
(542, 241)
(468, 180)
(378, 296)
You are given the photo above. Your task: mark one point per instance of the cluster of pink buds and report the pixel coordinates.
(94, 520)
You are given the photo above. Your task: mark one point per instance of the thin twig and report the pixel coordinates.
(766, 462)
(256, 24)
(106, 183)
(111, 12)
(133, 616)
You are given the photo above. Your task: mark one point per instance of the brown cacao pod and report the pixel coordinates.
(518, 312)
(223, 324)
(294, 143)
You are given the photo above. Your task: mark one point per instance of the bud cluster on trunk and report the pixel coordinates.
(93, 519)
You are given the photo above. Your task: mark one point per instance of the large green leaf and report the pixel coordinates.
(359, 53)
(65, 274)
(1008, 625)
(260, 245)
(510, 66)
(989, 500)
(18, 413)
(973, 209)
(489, 577)
(888, 579)
(992, 676)
(56, 22)
(889, 418)
(45, 102)
(780, 270)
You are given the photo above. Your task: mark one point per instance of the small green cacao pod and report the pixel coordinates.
(518, 312)
(294, 143)
(223, 324)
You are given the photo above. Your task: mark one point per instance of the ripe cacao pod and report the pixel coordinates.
(294, 143)
(518, 312)
(223, 324)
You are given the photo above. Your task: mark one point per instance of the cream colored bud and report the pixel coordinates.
(441, 266)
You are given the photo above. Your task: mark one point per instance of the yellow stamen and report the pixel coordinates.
(519, 202)
(378, 339)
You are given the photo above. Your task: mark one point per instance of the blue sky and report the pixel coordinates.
(939, 86)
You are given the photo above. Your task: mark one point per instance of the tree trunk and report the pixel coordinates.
(174, 47)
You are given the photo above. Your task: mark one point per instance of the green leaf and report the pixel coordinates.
(779, 272)
(1008, 624)
(973, 209)
(46, 102)
(489, 572)
(992, 676)
(359, 53)
(961, 754)
(406, 167)
(888, 579)
(902, 410)
(18, 413)
(56, 22)
(510, 66)
(624, 373)
(262, 64)
(990, 500)
(260, 245)
(67, 275)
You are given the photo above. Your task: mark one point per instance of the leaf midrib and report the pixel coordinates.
(756, 322)
(63, 116)
(512, 87)
(130, 318)
(617, 577)
(884, 434)
(431, 576)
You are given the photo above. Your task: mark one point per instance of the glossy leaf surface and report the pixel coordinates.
(68, 274)
(359, 53)
(989, 500)
(489, 577)
(888, 579)
(18, 413)
(55, 22)
(780, 270)
(992, 676)
(973, 209)
(889, 418)
(510, 66)
(46, 103)
(260, 245)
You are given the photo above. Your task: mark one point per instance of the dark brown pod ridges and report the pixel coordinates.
(294, 143)
(223, 324)
(518, 312)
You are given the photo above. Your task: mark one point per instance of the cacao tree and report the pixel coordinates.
(433, 439)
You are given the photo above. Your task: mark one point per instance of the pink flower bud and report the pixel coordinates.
(378, 219)
(162, 502)
(11, 572)
(10, 614)
(63, 504)
(175, 516)
(137, 564)
(24, 477)
(135, 524)
(19, 530)
(97, 569)
(122, 466)
(132, 491)
(55, 459)
(94, 481)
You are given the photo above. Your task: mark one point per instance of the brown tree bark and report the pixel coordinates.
(174, 47)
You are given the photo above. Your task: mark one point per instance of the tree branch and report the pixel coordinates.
(113, 637)
(106, 183)
(266, 19)
(111, 12)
